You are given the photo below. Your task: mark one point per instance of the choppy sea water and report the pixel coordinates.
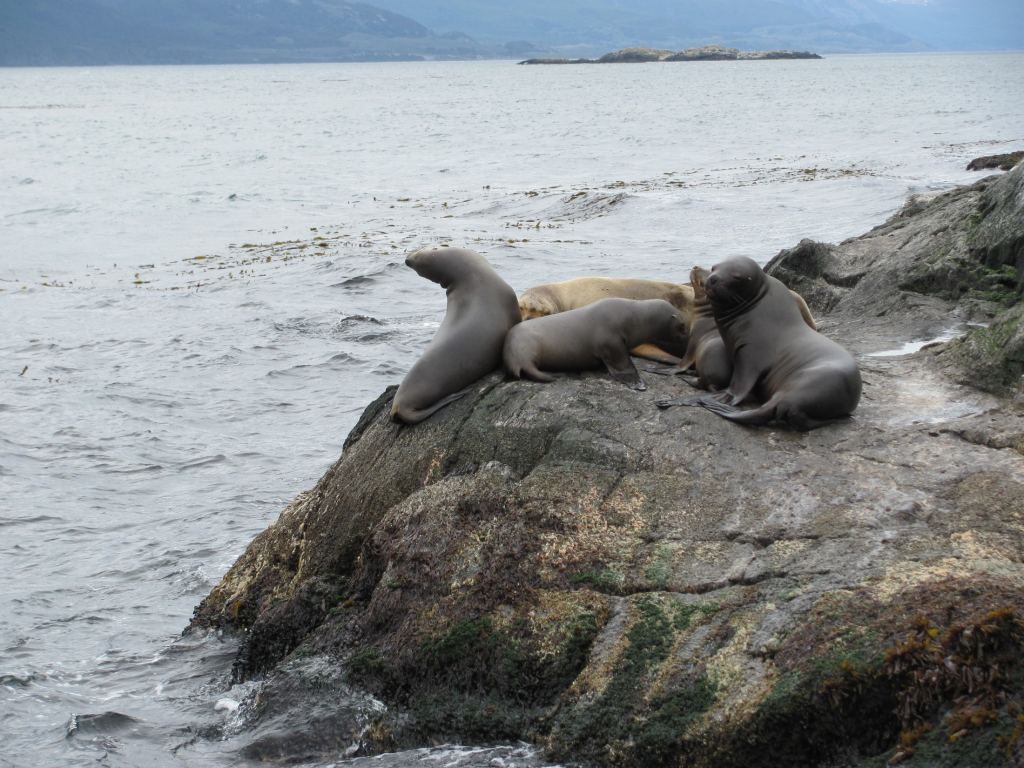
(202, 284)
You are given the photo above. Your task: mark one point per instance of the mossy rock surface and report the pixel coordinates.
(566, 564)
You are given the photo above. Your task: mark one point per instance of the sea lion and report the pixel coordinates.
(705, 350)
(481, 309)
(552, 298)
(600, 333)
(801, 377)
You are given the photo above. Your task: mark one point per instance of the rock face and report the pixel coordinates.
(634, 55)
(1003, 162)
(956, 258)
(566, 564)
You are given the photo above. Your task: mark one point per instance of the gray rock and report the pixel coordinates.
(1003, 162)
(566, 564)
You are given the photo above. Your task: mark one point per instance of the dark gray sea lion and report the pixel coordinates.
(598, 334)
(801, 377)
(551, 298)
(481, 309)
(706, 350)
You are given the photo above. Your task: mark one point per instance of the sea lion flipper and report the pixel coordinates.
(630, 378)
(664, 370)
(620, 366)
(752, 416)
(663, 404)
(744, 379)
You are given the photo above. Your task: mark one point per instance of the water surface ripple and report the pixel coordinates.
(202, 284)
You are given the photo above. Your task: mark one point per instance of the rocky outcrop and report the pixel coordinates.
(720, 53)
(1003, 162)
(939, 264)
(634, 55)
(566, 564)
(704, 53)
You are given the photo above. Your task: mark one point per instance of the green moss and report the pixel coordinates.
(366, 663)
(993, 357)
(621, 714)
(480, 679)
(459, 642)
(579, 635)
(972, 221)
(683, 615)
(1005, 297)
(650, 637)
(982, 748)
(661, 737)
(999, 284)
(785, 691)
(657, 571)
(854, 653)
(471, 716)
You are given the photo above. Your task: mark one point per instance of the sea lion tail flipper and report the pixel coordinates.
(655, 353)
(416, 415)
(751, 416)
(805, 311)
(530, 371)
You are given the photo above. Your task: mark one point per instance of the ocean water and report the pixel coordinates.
(202, 285)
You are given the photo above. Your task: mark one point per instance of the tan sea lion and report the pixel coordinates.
(552, 298)
(802, 378)
(705, 350)
(481, 309)
(601, 333)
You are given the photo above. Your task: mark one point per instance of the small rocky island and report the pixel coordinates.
(566, 564)
(704, 53)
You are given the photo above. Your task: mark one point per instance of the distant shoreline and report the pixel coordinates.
(704, 53)
(429, 60)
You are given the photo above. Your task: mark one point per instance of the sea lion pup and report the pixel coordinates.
(802, 378)
(481, 309)
(705, 350)
(552, 298)
(598, 334)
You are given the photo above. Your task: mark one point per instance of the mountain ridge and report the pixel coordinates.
(91, 32)
(95, 32)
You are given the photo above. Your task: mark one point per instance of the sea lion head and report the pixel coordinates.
(734, 285)
(443, 264)
(699, 276)
(670, 322)
(534, 303)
